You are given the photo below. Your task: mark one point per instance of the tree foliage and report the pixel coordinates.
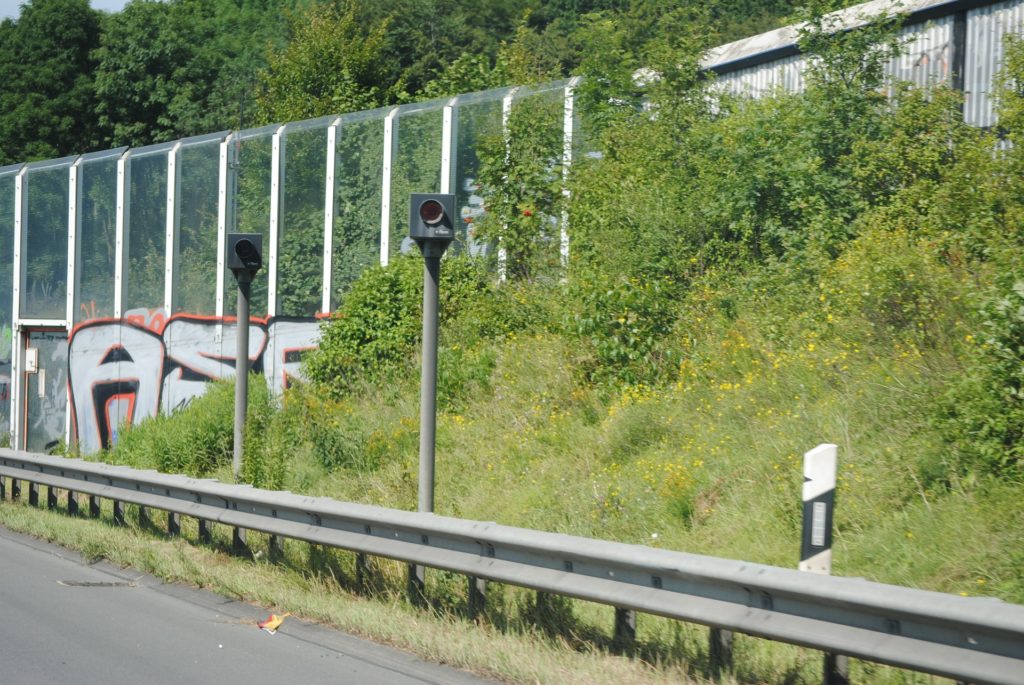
(77, 79)
(47, 97)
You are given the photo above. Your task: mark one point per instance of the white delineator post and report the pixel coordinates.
(819, 498)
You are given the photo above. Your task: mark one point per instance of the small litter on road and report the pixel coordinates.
(273, 622)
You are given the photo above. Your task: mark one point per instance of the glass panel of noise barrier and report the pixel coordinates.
(358, 166)
(44, 269)
(194, 290)
(300, 261)
(253, 159)
(7, 184)
(145, 234)
(533, 207)
(96, 247)
(416, 167)
(477, 129)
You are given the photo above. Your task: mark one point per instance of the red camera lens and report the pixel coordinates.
(431, 212)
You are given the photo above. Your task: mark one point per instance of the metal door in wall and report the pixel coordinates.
(45, 366)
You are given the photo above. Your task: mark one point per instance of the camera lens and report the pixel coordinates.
(431, 212)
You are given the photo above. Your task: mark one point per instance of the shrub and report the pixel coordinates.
(199, 438)
(377, 328)
(624, 327)
(983, 415)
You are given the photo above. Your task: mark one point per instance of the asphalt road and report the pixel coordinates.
(62, 620)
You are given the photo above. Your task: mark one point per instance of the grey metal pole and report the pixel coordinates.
(428, 402)
(428, 381)
(241, 368)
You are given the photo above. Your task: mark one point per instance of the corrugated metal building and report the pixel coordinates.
(958, 43)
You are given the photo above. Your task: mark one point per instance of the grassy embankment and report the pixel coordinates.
(709, 463)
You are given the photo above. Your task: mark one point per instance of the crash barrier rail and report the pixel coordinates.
(971, 639)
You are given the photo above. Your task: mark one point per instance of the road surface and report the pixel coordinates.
(62, 620)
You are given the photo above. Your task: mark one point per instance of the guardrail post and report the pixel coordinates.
(3, 488)
(118, 513)
(720, 651)
(15, 489)
(625, 628)
(837, 669)
(51, 497)
(94, 506)
(362, 571)
(173, 524)
(476, 600)
(204, 532)
(72, 503)
(416, 586)
(143, 517)
(33, 494)
(275, 547)
(238, 543)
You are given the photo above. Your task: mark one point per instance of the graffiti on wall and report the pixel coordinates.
(122, 371)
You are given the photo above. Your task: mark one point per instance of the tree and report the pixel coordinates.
(46, 98)
(174, 69)
(334, 63)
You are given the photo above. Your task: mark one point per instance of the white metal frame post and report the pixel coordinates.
(506, 116)
(17, 352)
(449, 139)
(225, 221)
(74, 248)
(568, 130)
(277, 182)
(74, 254)
(390, 145)
(120, 238)
(173, 225)
(329, 195)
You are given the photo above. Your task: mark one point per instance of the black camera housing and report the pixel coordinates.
(432, 217)
(244, 252)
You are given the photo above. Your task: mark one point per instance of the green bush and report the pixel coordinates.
(624, 327)
(199, 438)
(376, 329)
(983, 416)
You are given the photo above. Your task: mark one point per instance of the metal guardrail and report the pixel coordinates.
(971, 639)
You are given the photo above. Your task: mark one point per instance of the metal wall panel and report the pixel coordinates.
(927, 54)
(987, 28)
(786, 74)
